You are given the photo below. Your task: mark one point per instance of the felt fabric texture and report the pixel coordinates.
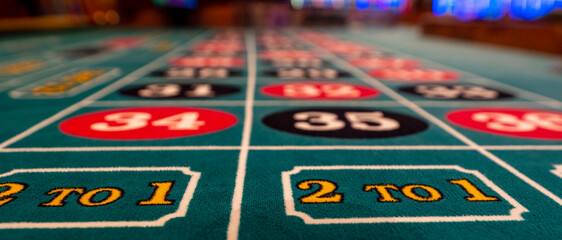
(269, 177)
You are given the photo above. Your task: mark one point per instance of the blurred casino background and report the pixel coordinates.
(530, 24)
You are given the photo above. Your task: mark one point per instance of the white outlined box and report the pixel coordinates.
(514, 214)
(26, 92)
(180, 212)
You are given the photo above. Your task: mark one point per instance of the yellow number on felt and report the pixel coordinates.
(12, 188)
(476, 195)
(159, 195)
(324, 194)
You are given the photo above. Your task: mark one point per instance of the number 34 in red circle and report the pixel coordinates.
(517, 122)
(147, 123)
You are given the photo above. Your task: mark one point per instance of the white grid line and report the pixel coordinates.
(97, 95)
(236, 211)
(235, 103)
(394, 95)
(283, 147)
(116, 148)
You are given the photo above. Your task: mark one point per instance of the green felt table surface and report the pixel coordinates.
(254, 180)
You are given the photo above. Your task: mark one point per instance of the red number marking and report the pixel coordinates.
(384, 63)
(319, 90)
(207, 62)
(275, 54)
(517, 122)
(148, 123)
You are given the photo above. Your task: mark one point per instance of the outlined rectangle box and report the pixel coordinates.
(107, 73)
(203, 218)
(264, 190)
(180, 212)
(514, 213)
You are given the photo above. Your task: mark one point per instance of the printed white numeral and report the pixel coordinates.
(291, 73)
(301, 90)
(160, 90)
(359, 121)
(512, 123)
(550, 121)
(136, 120)
(336, 90)
(213, 73)
(131, 121)
(475, 92)
(182, 121)
(327, 121)
(181, 72)
(310, 90)
(324, 121)
(436, 91)
(322, 73)
(201, 90)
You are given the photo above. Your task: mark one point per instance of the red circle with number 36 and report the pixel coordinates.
(147, 123)
(517, 122)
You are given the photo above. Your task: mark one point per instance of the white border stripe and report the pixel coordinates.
(99, 94)
(283, 147)
(234, 224)
(166, 102)
(117, 149)
(370, 103)
(523, 147)
(332, 147)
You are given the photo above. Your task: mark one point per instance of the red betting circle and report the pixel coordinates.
(207, 62)
(207, 121)
(347, 48)
(384, 62)
(292, 54)
(515, 122)
(415, 75)
(319, 90)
